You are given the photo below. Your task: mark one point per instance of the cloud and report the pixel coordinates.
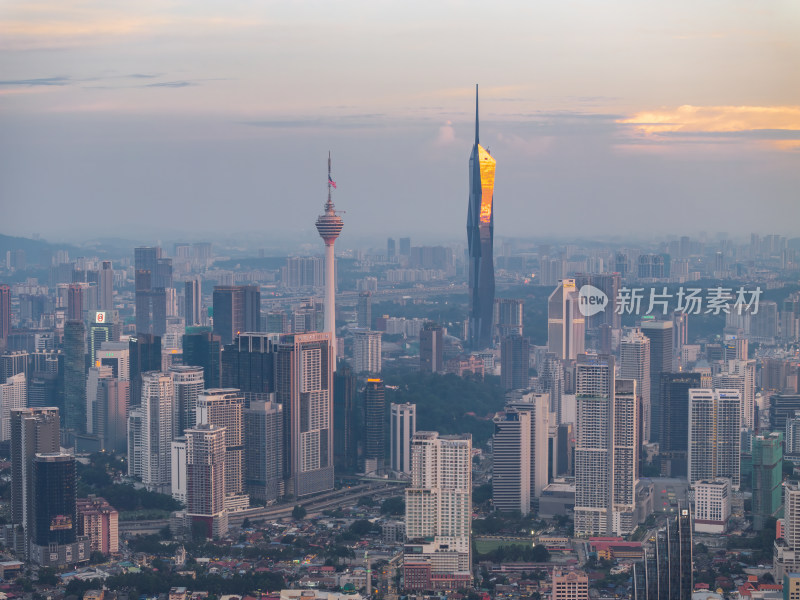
(35, 82)
(171, 84)
(446, 135)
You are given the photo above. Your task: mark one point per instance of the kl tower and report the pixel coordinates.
(329, 226)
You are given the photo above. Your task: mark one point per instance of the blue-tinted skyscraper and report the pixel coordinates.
(480, 239)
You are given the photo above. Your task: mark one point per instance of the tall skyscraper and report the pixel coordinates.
(237, 309)
(431, 348)
(740, 375)
(391, 249)
(329, 226)
(480, 242)
(507, 318)
(223, 407)
(5, 315)
(116, 355)
(367, 351)
(303, 382)
(566, 334)
(93, 379)
(75, 302)
(438, 512)
(626, 456)
(515, 358)
(346, 419)
(609, 283)
(188, 384)
(105, 296)
(714, 437)
(110, 415)
(364, 310)
(150, 432)
(674, 446)
(103, 327)
(74, 377)
(263, 450)
(153, 275)
(144, 353)
(667, 572)
(375, 423)
(660, 335)
(634, 363)
(201, 348)
(193, 299)
(206, 469)
(767, 477)
(13, 395)
(33, 431)
(403, 426)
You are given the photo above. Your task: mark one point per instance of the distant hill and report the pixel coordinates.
(37, 252)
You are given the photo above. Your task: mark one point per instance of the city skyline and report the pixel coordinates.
(701, 119)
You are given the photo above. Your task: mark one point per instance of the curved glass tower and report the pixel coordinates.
(480, 239)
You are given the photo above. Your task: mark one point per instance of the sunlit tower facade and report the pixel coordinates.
(329, 226)
(480, 240)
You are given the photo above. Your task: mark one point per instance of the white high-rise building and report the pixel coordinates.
(403, 426)
(740, 375)
(566, 334)
(787, 548)
(712, 505)
(223, 408)
(205, 479)
(189, 384)
(117, 356)
(714, 435)
(439, 508)
(792, 439)
(634, 363)
(13, 394)
(178, 468)
(367, 351)
(150, 432)
(626, 455)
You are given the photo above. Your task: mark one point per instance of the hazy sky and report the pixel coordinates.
(137, 118)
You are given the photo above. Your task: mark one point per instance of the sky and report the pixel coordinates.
(208, 118)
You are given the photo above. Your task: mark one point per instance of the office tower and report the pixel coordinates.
(680, 337)
(105, 296)
(660, 335)
(431, 348)
(13, 395)
(609, 284)
(93, 399)
(565, 450)
(75, 302)
(201, 348)
(626, 456)
(767, 477)
(634, 363)
(405, 246)
(391, 249)
(515, 356)
(237, 309)
(572, 585)
(787, 548)
(99, 521)
(188, 384)
(33, 431)
(367, 351)
(177, 470)
(712, 505)
(329, 226)
(403, 426)
(223, 407)
(740, 375)
(520, 452)
(46, 382)
(438, 513)
(346, 420)
(248, 364)
(263, 450)
(781, 408)
(5, 315)
(566, 333)
(206, 471)
(507, 319)
(74, 377)
(153, 275)
(150, 432)
(551, 378)
(144, 354)
(714, 439)
(110, 416)
(364, 310)
(667, 571)
(117, 356)
(278, 322)
(193, 302)
(375, 424)
(103, 327)
(54, 540)
(674, 446)
(480, 242)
